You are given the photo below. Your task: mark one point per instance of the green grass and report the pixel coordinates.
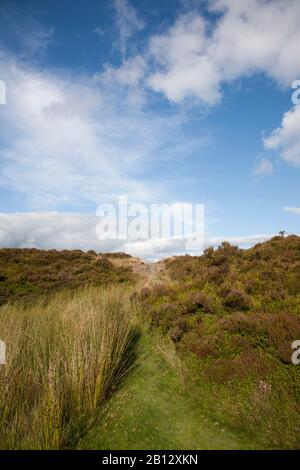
(157, 408)
(211, 370)
(64, 358)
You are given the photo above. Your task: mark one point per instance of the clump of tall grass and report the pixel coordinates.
(165, 347)
(64, 357)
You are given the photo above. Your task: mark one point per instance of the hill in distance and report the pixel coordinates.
(192, 352)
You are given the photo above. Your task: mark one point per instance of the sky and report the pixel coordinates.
(163, 101)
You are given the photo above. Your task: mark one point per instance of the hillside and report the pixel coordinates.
(29, 273)
(209, 363)
(233, 315)
(231, 291)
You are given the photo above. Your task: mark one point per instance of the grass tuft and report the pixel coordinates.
(64, 358)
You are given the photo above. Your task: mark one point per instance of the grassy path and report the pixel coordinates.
(153, 410)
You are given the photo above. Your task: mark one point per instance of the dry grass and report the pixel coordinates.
(165, 347)
(63, 359)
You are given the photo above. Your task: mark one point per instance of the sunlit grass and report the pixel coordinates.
(63, 359)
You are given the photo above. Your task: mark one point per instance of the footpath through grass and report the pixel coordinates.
(180, 361)
(155, 409)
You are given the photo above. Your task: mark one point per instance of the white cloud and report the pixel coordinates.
(74, 231)
(57, 145)
(75, 141)
(244, 241)
(258, 35)
(184, 68)
(48, 230)
(286, 139)
(130, 73)
(265, 167)
(127, 21)
(195, 56)
(78, 231)
(156, 249)
(292, 210)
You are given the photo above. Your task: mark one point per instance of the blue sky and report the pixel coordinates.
(163, 101)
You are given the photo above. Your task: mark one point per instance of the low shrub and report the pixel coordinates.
(29, 273)
(237, 299)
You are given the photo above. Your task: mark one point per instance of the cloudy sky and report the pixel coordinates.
(163, 101)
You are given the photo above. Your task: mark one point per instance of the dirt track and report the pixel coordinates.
(150, 273)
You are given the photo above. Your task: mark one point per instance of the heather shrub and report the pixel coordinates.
(236, 310)
(199, 301)
(237, 299)
(29, 273)
(274, 332)
(251, 363)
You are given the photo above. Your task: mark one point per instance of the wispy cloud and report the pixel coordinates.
(21, 28)
(100, 31)
(264, 167)
(131, 73)
(76, 141)
(68, 145)
(292, 210)
(128, 23)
